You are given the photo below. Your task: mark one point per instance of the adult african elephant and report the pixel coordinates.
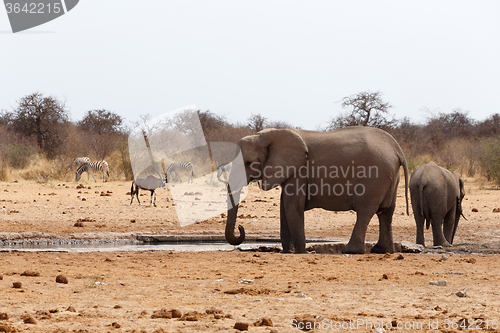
(354, 168)
(436, 196)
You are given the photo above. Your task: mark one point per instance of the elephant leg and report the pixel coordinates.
(419, 221)
(294, 213)
(449, 225)
(356, 244)
(286, 239)
(437, 232)
(385, 242)
(419, 218)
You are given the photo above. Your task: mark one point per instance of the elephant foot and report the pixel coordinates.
(287, 248)
(443, 244)
(378, 248)
(354, 249)
(297, 250)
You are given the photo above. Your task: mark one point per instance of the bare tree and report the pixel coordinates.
(43, 117)
(217, 129)
(124, 158)
(278, 124)
(5, 117)
(444, 127)
(212, 125)
(365, 109)
(257, 122)
(489, 127)
(211, 121)
(101, 121)
(102, 131)
(409, 135)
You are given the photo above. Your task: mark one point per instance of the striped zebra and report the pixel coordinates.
(175, 169)
(79, 161)
(90, 167)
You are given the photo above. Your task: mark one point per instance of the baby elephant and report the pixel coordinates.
(436, 197)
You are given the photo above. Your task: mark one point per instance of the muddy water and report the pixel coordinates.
(138, 246)
(316, 246)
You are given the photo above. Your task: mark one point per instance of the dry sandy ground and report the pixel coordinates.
(120, 291)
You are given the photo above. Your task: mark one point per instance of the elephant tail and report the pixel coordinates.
(421, 198)
(423, 210)
(405, 168)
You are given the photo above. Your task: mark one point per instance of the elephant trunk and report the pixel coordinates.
(232, 213)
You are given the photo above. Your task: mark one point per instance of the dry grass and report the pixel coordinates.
(116, 168)
(5, 172)
(41, 170)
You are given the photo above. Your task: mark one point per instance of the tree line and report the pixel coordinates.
(39, 130)
(454, 140)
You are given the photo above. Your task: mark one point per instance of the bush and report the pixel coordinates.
(414, 162)
(45, 119)
(42, 170)
(490, 160)
(17, 156)
(123, 160)
(4, 172)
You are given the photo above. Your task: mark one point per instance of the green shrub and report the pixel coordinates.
(490, 160)
(17, 156)
(414, 162)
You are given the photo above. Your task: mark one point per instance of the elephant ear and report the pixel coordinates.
(286, 152)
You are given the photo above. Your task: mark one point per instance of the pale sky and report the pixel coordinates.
(287, 60)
